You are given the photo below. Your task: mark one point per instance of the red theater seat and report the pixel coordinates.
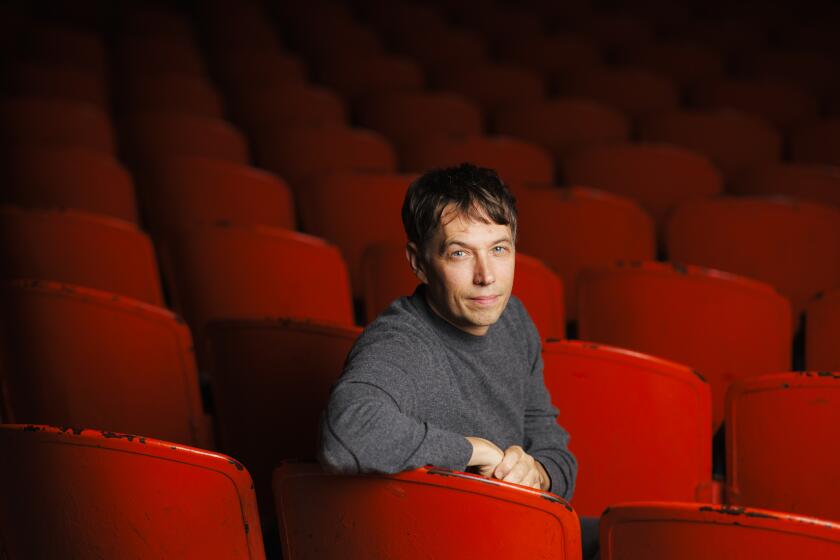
(126, 496)
(556, 56)
(240, 69)
(304, 155)
(150, 54)
(83, 357)
(287, 105)
(657, 176)
(817, 142)
(186, 191)
(68, 177)
(71, 84)
(736, 142)
(354, 211)
(495, 86)
(695, 531)
(266, 373)
(564, 125)
(636, 92)
(778, 433)
(234, 272)
(150, 137)
(817, 183)
(79, 248)
(571, 229)
(687, 63)
(418, 514)
(370, 75)
(175, 93)
(50, 122)
(66, 46)
(517, 162)
(724, 326)
(640, 426)
(789, 244)
(782, 103)
(407, 117)
(822, 324)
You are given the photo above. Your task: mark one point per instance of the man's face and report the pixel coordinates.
(468, 266)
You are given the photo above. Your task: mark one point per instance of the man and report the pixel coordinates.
(452, 376)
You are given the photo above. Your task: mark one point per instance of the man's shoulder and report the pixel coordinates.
(400, 327)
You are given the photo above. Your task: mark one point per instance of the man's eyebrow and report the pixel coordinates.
(505, 239)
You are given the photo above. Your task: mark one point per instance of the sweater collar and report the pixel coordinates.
(449, 333)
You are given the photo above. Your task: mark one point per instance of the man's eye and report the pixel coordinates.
(458, 253)
(499, 249)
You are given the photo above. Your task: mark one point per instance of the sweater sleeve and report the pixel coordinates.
(545, 439)
(367, 426)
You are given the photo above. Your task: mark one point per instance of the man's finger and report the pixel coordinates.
(518, 473)
(511, 457)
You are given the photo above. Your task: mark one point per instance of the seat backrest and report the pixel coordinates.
(386, 276)
(302, 155)
(287, 105)
(822, 331)
(792, 245)
(516, 161)
(782, 103)
(657, 176)
(695, 531)
(445, 49)
(818, 183)
(817, 142)
(144, 55)
(267, 373)
(636, 92)
(68, 177)
(184, 191)
(77, 493)
(355, 210)
(736, 142)
(778, 451)
(418, 514)
(50, 122)
(371, 75)
(83, 357)
(241, 68)
(79, 248)
(564, 125)
(555, 55)
(406, 116)
(64, 46)
(571, 229)
(686, 62)
(73, 84)
(808, 68)
(151, 137)
(722, 325)
(664, 453)
(494, 86)
(175, 93)
(227, 272)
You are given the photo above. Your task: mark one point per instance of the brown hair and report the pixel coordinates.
(476, 192)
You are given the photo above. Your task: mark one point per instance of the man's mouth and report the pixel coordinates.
(485, 300)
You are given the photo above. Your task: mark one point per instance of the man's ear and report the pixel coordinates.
(415, 260)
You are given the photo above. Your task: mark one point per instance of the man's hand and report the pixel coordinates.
(520, 468)
(485, 456)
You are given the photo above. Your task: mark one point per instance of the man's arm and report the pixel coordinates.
(364, 430)
(545, 440)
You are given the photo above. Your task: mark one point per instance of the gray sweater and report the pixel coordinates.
(414, 386)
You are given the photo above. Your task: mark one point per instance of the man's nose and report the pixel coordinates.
(483, 273)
